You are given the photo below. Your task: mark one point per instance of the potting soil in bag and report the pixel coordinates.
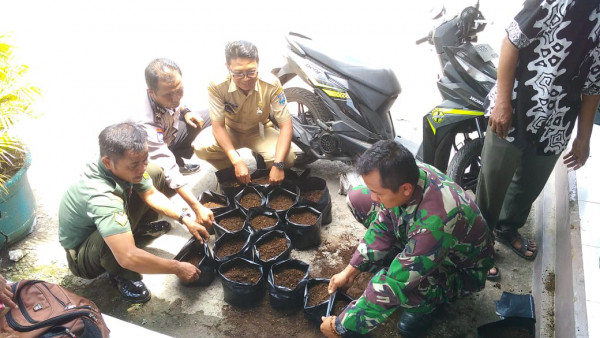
(227, 183)
(338, 304)
(201, 257)
(243, 281)
(232, 245)
(314, 192)
(287, 282)
(217, 203)
(260, 221)
(249, 198)
(272, 247)
(281, 200)
(303, 226)
(230, 221)
(316, 299)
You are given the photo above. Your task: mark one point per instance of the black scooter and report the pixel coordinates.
(458, 124)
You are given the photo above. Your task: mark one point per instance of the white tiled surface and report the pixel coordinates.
(588, 196)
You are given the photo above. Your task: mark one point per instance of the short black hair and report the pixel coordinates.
(240, 49)
(160, 69)
(115, 140)
(395, 163)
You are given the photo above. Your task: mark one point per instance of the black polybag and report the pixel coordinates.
(239, 293)
(245, 251)
(282, 297)
(315, 312)
(313, 183)
(207, 262)
(220, 230)
(279, 191)
(282, 256)
(211, 196)
(225, 176)
(337, 296)
(249, 190)
(515, 311)
(303, 236)
(256, 233)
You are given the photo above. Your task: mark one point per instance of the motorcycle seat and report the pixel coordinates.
(382, 80)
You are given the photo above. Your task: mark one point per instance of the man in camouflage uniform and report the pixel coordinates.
(426, 237)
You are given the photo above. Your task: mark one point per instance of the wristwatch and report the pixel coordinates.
(183, 214)
(279, 165)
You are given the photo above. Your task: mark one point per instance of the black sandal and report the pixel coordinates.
(509, 237)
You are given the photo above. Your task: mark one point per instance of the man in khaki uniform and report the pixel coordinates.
(240, 107)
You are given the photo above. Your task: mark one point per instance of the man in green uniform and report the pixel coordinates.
(426, 239)
(240, 107)
(100, 213)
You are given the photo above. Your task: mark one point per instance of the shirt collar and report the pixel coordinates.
(122, 184)
(158, 109)
(417, 195)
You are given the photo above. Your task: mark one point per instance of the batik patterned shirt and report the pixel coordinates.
(447, 251)
(559, 60)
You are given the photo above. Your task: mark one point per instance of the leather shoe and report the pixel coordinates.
(134, 291)
(415, 324)
(152, 230)
(188, 169)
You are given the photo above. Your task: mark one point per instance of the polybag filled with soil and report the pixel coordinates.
(303, 226)
(227, 183)
(249, 198)
(287, 281)
(314, 193)
(260, 221)
(230, 221)
(316, 299)
(216, 202)
(272, 247)
(243, 281)
(199, 255)
(338, 304)
(232, 245)
(509, 327)
(281, 200)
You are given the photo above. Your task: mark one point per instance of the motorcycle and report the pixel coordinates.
(457, 125)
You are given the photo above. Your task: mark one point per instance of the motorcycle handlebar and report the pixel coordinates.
(421, 40)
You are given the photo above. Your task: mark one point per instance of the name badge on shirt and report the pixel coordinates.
(159, 135)
(261, 127)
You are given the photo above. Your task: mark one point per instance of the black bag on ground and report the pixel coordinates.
(281, 296)
(338, 303)
(231, 215)
(200, 256)
(211, 196)
(241, 293)
(315, 193)
(50, 310)
(227, 183)
(303, 236)
(241, 238)
(314, 312)
(284, 254)
(240, 198)
(285, 195)
(259, 226)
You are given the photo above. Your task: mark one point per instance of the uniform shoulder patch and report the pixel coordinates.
(121, 218)
(281, 97)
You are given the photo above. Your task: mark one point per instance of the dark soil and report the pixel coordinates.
(317, 294)
(229, 248)
(339, 306)
(262, 221)
(281, 202)
(288, 277)
(243, 274)
(312, 195)
(261, 180)
(194, 259)
(511, 332)
(271, 248)
(230, 184)
(304, 217)
(233, 224)
(212, 205)
(251, 200)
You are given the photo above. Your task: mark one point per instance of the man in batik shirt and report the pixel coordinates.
(425, 235)
(548, 77)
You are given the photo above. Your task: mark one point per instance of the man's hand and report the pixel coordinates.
(276, 176)
(187, 272)
(501, 118)
(343, 280)
(241, 171)
(204, 216)
(193, 119)
(327, 327)
(6, 296)
(196, 229)
(580, 151)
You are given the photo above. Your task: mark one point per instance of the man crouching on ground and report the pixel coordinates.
(426, 237)
(100, 213)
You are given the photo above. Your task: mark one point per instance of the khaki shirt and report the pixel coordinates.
(243, 113)
(98, 200)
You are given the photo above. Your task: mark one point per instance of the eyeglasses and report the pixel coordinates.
(251, 74)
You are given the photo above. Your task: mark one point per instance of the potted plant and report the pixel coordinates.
(17, 204)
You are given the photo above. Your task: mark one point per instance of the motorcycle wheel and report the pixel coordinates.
(466, 164)
(309, 109)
